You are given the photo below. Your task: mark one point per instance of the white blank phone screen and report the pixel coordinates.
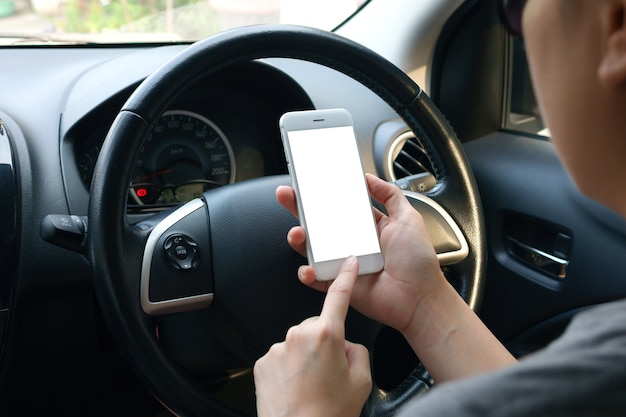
(337, 209)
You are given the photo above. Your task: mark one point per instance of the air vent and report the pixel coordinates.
(408, 157)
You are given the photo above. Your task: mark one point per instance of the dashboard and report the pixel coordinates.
(224, 130)
(59, 103)
(57, 106)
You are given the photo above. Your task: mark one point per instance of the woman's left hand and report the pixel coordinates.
(315, 371)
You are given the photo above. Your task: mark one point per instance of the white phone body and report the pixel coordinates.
(334, 205)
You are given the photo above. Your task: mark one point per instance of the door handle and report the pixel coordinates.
(546, 262)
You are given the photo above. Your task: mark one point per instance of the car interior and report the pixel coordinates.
(111, 154)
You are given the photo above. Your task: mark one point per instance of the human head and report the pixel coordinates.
(577, 57)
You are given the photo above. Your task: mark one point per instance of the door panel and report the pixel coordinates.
(536, 217)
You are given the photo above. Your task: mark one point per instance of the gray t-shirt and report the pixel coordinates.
(583, 373)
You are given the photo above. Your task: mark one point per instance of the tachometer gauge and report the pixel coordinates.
(184, 155)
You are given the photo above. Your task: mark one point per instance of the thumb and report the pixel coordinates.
(359, 364)
(388, 194)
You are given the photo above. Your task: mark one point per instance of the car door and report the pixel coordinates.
(552, 251)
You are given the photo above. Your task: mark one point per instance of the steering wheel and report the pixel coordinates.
(224, 257)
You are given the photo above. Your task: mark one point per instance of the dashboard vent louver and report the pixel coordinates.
(409, 157)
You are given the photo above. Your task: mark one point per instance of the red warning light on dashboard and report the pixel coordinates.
(141, 192)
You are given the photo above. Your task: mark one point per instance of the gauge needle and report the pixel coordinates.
(154, 174)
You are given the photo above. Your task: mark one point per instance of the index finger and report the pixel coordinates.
(338, 295)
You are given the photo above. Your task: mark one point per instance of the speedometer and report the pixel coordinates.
(184, 155)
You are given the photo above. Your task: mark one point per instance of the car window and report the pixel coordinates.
(133, 21)
(522, 111)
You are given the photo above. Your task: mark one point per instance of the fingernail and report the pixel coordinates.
(350, 260)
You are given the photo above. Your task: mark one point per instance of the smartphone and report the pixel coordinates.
(334, 205)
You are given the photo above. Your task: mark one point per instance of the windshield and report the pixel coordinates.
(132, 21)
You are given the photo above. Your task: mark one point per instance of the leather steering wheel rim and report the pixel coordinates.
(114, 244)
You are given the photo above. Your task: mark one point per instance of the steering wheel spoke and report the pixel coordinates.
(445, 234)
(176, 272)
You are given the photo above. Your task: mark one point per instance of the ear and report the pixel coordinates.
(612, 70)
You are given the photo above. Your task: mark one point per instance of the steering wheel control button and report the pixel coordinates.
(181, 252)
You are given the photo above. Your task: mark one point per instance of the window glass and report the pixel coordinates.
(123, 21)
(522, 112)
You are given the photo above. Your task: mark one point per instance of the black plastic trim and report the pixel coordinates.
(468, 70)
(9, 232)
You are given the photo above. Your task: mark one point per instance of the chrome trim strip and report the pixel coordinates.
(555, 259)
(394, 150)
(9, 231)
(561, 263)
(445, 258)
(177, 304)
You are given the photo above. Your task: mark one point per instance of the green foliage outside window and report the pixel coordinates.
(97, 16)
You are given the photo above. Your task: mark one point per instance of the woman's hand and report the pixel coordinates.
(411, 271)
(315, 371)
(411, 294)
